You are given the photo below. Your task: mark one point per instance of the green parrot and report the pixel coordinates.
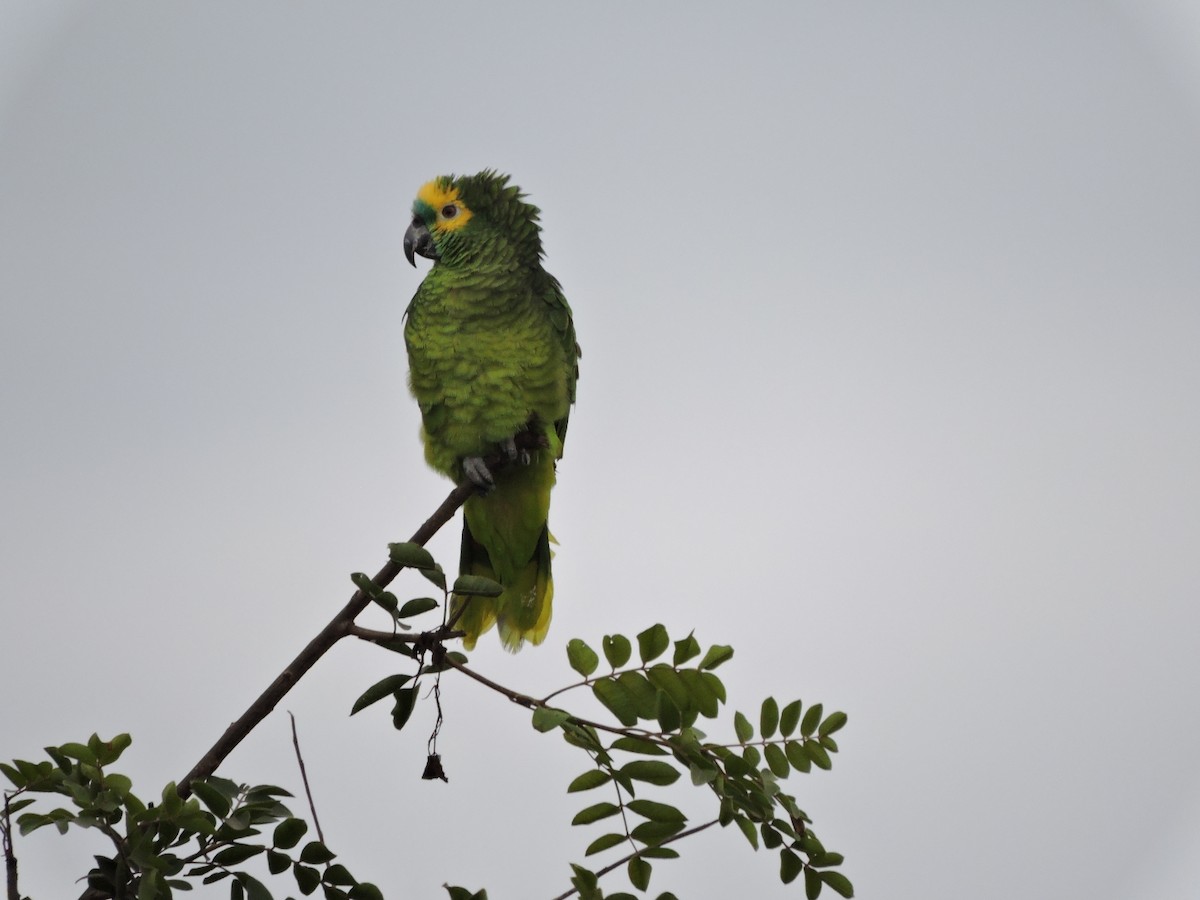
(492, 353)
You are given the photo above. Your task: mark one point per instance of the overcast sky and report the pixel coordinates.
(891, 328)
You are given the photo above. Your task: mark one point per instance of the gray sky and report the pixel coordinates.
(890, 322)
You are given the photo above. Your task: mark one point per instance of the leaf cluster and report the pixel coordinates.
(163, 846)
(658, 702)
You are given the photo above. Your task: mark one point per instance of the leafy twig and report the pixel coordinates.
(624, 859)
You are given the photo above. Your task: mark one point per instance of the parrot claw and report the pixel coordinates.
(509, 446)
(475, 469)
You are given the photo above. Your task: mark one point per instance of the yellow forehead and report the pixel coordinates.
(438, 195)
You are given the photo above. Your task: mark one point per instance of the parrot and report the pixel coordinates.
(492, 353)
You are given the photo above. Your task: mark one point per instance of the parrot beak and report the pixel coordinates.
(417, 240)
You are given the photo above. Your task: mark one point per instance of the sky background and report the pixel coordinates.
(891, 328)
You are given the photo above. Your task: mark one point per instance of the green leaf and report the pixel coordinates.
(653, 643)
(810, 844)
(671, 682)
(387, 600)
(814, 751)
(789, 718)
(747, 828)
(839, 882)
(651, 771)
(364, 583)
(386, 687)
(812, 884)
(742, 728)
(776, 760)
(416, 606)
(700, 692)
(790, 865)
(255, 889)
(797, 757)
(19, 805)
(825, 860)
(435, 575)
(655, 812)
(238, 853)
(337, 874)
(654, 833)
(639, 873)
(18, 780)
(828, 743)
(602, 843)
(585, 882)
(315, 853)
(834, 722)
(582, 736)
(811, 720)
(702, 774)
(414, 556)
(668, 714)
(108, 752)
(406, 701)
(278, 862)
(686, 649)
(308, 879)
(617, 649)
(364, 890)
(770, 837)
(288, 833)
(212, 798)
(617, 700)
(119, 784)
(592, 778)
(547, 719)
(477, 586)
(595, 813)
(638, 745)
(643, 694)
(717, 654)
(768, 720)
(659, 853)
(583, 659)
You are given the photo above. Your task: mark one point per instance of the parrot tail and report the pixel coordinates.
(506, 538)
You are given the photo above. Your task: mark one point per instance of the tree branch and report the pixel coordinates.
(339, 625)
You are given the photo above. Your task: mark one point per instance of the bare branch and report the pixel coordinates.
(312, 808)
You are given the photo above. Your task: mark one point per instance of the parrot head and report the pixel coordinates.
(473, 219)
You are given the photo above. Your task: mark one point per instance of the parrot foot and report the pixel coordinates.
(514, 454)
(475, 469)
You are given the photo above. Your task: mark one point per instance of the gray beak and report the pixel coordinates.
(418, 241)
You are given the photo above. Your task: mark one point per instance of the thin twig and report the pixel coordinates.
(620, 862)
(375, 636)
(304, 777)
(338, 627)
(533, 703)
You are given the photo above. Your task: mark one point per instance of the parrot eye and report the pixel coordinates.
(449, 211)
